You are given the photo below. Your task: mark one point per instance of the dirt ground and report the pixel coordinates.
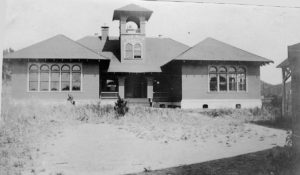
(89, 148)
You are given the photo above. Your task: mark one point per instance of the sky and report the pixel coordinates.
(265, 31)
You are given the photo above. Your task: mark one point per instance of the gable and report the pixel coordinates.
(57, 47)
(213, 50)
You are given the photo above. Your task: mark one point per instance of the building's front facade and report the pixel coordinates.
(212, 74)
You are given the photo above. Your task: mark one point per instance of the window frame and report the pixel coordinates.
(28, 77)
(133, 50)
(40, 73)
(227, 66)
(215, 73)
(132, 54)
(245, 74)
(50, 64)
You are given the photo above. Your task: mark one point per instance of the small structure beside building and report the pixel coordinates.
(165, 72)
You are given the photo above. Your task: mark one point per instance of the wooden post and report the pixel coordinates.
(121, 82)
(283, 106)
(149, 87)
(294, 60)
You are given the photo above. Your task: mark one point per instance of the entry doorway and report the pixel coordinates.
(135, 87)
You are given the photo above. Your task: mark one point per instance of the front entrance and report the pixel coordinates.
(135, 87)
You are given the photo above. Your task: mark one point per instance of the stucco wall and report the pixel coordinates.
(90, 84)
(195, 85)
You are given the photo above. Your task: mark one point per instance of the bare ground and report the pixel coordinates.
(89, 148)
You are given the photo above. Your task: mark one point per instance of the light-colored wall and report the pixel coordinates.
(90, 84)
(195, 85)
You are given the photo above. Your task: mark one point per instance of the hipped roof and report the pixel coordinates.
(213, 50)
(57, 47)
(158, 52)
(132, 9)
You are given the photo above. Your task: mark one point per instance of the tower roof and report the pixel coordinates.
(132, 10)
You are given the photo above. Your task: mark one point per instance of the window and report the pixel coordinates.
(129, 51)
(65, 78)
(227, 78)
(76, 78)
(232, 78)
(222, 79)
(109, 84)
(241, 76)
(33, 77)
(44, 78)
(137, 51)
(213, 82)
(55, 78)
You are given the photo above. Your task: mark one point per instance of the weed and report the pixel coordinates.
(120, 107)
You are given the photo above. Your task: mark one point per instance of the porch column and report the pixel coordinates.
(149, 87)
(121, 82)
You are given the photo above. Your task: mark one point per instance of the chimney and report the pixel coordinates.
(104, 30)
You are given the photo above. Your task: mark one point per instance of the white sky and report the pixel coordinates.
(261, 30)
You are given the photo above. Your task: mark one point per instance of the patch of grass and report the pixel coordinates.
(23, 124)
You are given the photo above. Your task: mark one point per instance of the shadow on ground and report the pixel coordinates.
(258, 163)
(279, 123)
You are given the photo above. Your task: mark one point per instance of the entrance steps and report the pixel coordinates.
(138, 102)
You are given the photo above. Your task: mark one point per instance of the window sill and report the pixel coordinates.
(55, 91)
(132, 59)
(226, 92)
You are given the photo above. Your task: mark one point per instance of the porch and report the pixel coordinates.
(142, 89)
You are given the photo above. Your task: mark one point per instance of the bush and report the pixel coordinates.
(120, 107)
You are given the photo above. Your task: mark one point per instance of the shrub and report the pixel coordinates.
(120, 107)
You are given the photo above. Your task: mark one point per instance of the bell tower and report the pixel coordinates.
(132, 27)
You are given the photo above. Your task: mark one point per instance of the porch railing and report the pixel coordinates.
(109, 95)
(160, 96)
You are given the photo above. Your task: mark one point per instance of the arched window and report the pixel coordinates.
(232, 78)
(137, 51)
(128, 51)
(213, 80)
(55, 78)
(241, 78)
(33, 77)
(222, 79)
(65, 78)
(44, 78)
(76, 78)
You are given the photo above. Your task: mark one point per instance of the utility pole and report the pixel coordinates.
(294, 60)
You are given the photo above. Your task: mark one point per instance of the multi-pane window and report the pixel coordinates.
(109, 84)
(54, 77)
(33, 77)
(76, 78)
(222, 79)
(137, 51)
(241, 79)
(44, 78)
(227, 78)
(129, 51)
(232, 78)
(65, 78)
(213, 79)
(133, 51)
